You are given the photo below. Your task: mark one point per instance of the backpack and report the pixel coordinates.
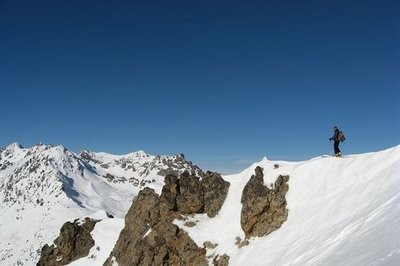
(341, 136)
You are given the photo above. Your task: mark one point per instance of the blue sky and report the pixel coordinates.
(224, 82)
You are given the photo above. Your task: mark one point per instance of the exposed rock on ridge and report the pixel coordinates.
(150, 237)
(73, 243)
(263, 209)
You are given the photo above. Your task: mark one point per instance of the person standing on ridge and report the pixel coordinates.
(337, 138)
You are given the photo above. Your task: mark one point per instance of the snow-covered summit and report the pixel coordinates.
(138, 167)
(12, 151)
(14, 146)
(25, 171)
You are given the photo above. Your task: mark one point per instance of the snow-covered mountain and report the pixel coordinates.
(44, 186)
(341, 211)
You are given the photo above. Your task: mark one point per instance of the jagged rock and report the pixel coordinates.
(182, 250)
(243, 243)
(73, 243)
(209, 245)
(141, 217)
(238, 240)
(169, 194)
(188, 194)
(190, 198)
(263, 209)
(150, 238)
(221, 260)
(215, 191)
(166, 244)
(190, 224)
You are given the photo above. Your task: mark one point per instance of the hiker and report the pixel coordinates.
(337, 138)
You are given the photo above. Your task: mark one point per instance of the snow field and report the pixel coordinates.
(342, 211)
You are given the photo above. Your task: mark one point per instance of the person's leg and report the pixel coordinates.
(336, 148)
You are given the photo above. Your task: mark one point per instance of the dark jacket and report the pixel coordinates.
(335, 135)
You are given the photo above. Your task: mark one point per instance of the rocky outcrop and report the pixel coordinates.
(150, 237)
(141, 217)
(190, 197)
(189, 194)
(73, 243)
(221, 260)
(263, 209)
(215, 190)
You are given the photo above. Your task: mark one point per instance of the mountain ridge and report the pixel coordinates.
(47, 185)
(340, 210)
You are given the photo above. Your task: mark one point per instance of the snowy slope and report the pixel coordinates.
(342, 211)
(44, 186)
(33, 204)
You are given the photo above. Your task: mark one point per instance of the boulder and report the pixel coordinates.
(221, 260)
(263, 209)
(189, 194)
(215, 190)
(73, 243)
(141, 217)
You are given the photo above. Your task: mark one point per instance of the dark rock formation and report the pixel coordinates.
(150, 237)
(188, 194)
(73, 243)
(141, 217)
(263, 209)
(191, 197)
(215, 190)
(169, 194)
(221, 260)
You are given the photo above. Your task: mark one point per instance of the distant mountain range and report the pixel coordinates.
(44, 186)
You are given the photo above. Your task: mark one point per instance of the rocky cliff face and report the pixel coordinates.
(150, 237)
(188, 194)
(73, 243)
(263, 209)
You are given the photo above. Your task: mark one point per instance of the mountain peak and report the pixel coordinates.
(14, 146)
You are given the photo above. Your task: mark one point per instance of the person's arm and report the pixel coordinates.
(335, 135)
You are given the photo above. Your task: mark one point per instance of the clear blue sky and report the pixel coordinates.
(224, 82)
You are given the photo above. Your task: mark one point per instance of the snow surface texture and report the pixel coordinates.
(45, 186)
(342, 211)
